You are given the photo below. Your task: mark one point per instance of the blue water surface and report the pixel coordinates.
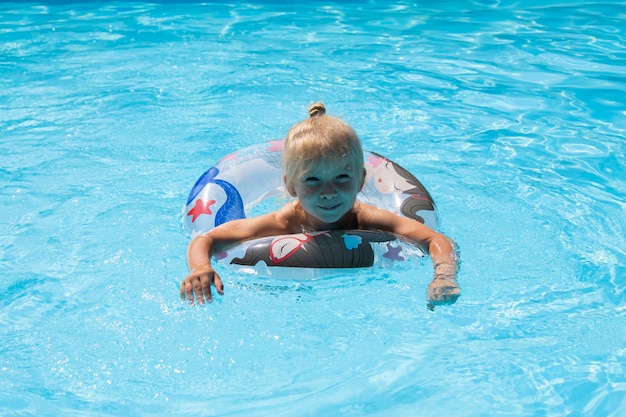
(511, 113)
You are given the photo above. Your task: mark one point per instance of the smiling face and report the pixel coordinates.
(323, 166)
(327, 191)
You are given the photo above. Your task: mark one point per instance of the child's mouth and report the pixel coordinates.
(325, 208)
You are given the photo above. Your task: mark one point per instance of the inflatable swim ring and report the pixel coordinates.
(239, 182)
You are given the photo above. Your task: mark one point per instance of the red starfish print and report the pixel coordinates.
(200, 208)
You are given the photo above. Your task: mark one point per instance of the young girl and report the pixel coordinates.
(323, 164)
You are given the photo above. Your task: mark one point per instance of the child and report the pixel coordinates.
(323, 164)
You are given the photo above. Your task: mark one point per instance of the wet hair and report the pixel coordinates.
(320, 137)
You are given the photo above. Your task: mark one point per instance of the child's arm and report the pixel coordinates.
(202, 275)
(444, 288)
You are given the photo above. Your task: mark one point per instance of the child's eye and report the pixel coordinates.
(343, 178)
(311, 180)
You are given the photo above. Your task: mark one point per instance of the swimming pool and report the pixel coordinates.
(511, 113)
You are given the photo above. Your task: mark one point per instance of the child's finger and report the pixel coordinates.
(199, 291)
(205, 287)
(218, 284)
(186, 289)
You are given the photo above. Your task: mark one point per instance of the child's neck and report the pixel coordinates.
(312, 224)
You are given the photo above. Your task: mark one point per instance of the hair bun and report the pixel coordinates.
(316, 110)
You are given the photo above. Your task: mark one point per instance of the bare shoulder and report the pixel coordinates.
(282, 221)
(370, 216)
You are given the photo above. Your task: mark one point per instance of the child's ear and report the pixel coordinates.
(289, 187)
(363, 179)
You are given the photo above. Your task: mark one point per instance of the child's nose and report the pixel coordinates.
(328, 191)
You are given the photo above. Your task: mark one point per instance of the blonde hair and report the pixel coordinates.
(320, 137)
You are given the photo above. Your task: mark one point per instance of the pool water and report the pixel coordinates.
(512, 114)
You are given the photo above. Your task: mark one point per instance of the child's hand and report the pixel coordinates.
(199, 282)
(443, 290)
